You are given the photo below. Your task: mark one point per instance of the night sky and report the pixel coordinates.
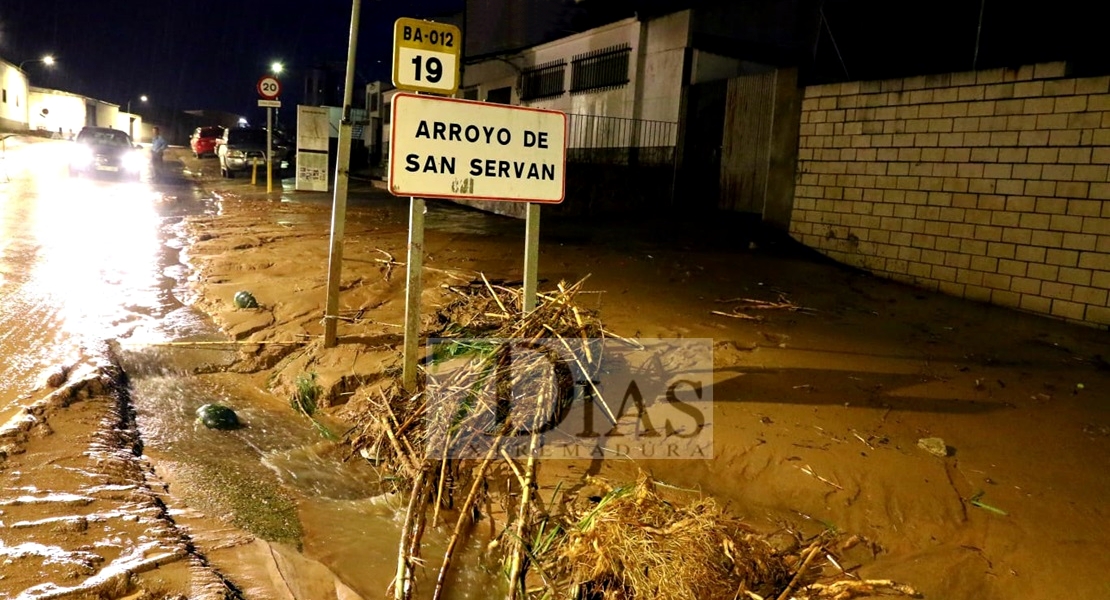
(208, 54)
(197, 54)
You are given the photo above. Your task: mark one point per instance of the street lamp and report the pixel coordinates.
(47, 60)
(142, 99)
(276, 68)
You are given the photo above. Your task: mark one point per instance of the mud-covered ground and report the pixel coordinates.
(817, 412)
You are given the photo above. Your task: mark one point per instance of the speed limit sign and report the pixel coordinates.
(269, 87)
(426, 56)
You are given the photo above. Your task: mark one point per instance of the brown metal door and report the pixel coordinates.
(745, 147)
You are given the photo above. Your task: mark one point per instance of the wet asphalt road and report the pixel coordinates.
(83, 260)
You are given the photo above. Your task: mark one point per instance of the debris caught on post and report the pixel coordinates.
(629, 541)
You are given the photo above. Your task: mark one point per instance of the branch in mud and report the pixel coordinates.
(745, 304)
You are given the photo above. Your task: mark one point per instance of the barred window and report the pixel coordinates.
(603, 68)
(543, 81)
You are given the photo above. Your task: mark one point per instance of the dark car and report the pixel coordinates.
(242, 148)
(106, 151)
(203, 140)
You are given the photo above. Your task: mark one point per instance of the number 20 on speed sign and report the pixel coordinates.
(426, 56)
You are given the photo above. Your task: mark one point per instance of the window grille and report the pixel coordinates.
(543, 81)
(605, 68)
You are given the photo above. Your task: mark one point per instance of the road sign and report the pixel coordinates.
(269, 87)
(269, 103)
(426, 56)
(451, 148)
(313, 133)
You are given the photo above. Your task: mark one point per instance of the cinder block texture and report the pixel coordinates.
(991, 185)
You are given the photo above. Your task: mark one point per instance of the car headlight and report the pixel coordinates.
(134, 161)
(82, 156)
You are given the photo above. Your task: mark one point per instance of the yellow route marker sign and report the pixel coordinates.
(426, 56)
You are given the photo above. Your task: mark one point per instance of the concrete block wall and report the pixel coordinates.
(989, 185)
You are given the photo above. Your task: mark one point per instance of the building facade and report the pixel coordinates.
(13, 97)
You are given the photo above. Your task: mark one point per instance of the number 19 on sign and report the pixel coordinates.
(432, 68)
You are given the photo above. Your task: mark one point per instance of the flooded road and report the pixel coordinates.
(83, 261)
(271, 510)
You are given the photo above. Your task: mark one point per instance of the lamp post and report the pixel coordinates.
(276, 68)
(271, 115)
(142, 99)
(131, 117)
(47, 60)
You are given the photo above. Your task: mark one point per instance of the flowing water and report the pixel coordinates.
(84, 261)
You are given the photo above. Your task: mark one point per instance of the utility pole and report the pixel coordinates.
(339, 203)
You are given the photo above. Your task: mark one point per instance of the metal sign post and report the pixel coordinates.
(339, 203)
(269, 88)
(451, 148)
(269, 150)
(425, 59)
(531, 255)
(414, 287)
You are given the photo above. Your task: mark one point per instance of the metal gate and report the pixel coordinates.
(746, 144)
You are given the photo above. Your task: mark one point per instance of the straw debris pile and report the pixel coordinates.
(634, 544)
(443, 443)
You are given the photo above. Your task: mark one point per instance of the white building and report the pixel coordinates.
(13, 97)
(631, 69)
(66, 113)
(622, 84)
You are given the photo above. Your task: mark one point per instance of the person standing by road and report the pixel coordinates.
(157, 149)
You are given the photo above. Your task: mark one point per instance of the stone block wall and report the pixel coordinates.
(990, 185)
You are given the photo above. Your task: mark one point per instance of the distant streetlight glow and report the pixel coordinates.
(48, 60)
(277, 68)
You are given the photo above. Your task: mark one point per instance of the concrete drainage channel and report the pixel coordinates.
(93, 523)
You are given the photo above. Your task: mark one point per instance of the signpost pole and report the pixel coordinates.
(339, 203)
(413, 290)
(269, 150)
(531, 255)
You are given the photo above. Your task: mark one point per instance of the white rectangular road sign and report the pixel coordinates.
(269, 103)
(426, 56)
(313, 133)
(313, 129)
(451, 148)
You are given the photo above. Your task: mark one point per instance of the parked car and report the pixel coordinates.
(102, 150)
(240, 148)
(203, 140)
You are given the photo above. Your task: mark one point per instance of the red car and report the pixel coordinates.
(203, 140)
